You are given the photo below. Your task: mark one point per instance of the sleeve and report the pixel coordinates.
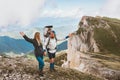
(28, 39)
(45, 43)
(63, 38)
(43, 46)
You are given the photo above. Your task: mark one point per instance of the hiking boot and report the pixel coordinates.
(54, 69)
(41, 73)
(51, 70)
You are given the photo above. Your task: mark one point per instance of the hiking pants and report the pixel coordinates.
(41, 62)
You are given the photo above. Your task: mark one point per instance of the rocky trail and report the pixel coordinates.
(22, 68)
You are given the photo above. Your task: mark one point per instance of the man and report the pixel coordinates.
(51, 47)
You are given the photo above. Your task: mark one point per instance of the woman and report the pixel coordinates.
(38, 49)
(51, 47)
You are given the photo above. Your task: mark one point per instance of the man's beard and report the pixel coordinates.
(52, 36)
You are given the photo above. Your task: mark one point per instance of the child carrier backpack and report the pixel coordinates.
(47, 29)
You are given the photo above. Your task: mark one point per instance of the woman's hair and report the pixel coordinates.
(37, 37)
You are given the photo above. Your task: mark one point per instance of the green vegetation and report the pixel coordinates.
(109, 39)
(113, 20)
(80, 30)
(60, 56)
(108, 60)
(93, 21)
(105, 40)
(30, 55)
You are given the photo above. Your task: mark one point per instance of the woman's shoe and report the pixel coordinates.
(41, 72)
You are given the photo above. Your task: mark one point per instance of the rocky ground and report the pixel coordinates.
(22, 68)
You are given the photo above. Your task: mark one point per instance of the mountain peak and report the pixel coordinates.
(92, 22)
(99, 33)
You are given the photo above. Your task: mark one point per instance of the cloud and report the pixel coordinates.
(111, 8)
(63, 13)
(20, 12)
(53, 9)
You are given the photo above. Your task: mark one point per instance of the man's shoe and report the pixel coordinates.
(54, 69)
(51, 70)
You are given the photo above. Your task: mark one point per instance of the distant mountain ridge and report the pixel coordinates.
(18, 46)
(8, 44)
(61, 31)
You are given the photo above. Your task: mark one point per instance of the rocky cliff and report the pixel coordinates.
(92, 46)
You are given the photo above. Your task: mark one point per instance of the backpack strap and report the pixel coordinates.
(49, 41)
(55, 38)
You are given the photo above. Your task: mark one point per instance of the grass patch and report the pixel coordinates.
(108, 60)
(93, 21)
(106, 40)
(31, 56)
(80, 30)
(59, 56)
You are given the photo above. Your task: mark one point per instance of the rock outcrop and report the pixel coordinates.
(89, 38)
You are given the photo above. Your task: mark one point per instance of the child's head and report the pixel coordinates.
(49, 30)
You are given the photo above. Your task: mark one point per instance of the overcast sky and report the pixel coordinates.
(17, 15)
